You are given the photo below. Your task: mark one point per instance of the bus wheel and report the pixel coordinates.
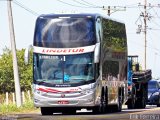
(102, 107)
(119, 105)
(69, 112)
(103, 101)
(46, 111)
(158, 105)
(97, 110)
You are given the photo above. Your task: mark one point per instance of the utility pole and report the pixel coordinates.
(14, 57)
(112, 9)
(145, 33)
(109, 10)
(139, 30)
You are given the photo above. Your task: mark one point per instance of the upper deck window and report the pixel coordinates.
(64, 32)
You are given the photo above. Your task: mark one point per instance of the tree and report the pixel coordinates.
(6, 72)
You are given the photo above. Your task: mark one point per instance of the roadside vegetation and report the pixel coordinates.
(6, 72)
(7, 82)
(13, 109)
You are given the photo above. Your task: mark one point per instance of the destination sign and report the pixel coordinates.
(62, 51)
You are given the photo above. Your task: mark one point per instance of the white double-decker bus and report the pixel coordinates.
(79, 61)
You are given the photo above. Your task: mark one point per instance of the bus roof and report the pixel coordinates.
(77, 15)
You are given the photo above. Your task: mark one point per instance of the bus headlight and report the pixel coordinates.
(87, 91)
(40, 92)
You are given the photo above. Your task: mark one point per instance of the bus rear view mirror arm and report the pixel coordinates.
(27, 55)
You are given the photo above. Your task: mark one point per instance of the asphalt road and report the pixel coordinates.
(150, 113)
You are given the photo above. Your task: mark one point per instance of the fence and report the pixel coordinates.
(8, 98)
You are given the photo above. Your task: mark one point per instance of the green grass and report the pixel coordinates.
(12, 108)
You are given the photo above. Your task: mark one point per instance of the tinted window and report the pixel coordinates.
(153, 85)
(114, 50)
(68, 32)
(62, 69)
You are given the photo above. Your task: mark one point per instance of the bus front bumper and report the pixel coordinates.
(84, 101)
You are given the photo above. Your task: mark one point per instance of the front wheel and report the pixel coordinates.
(102, 107)
(158, 105)
(69, 111)
(46, 111)
(97, 110)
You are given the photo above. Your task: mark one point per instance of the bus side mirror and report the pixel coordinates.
(96, 53)
(26, 55)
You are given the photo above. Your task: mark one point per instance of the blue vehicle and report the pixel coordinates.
(154, 93)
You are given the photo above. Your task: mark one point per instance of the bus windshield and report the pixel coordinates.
(64, 32)
(63, 69)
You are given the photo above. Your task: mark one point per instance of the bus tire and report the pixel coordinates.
(100, 108)
(69, 112)
(96, 110)
(158, 105)
(46, 111)
(106, 101)
(118, 107)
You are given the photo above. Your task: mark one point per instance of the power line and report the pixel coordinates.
(146, 16)
(25, 8)
(156, 13)
(148, 46)
(153, 29)
(82, 3)
(74, 5)
(90, 4)
(153, 46)
(156, 23)
(132, 5)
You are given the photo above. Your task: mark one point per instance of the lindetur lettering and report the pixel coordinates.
(74, 50)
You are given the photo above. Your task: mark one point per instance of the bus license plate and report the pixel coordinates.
(63, 102)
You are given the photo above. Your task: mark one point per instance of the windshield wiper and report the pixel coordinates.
(41, 82)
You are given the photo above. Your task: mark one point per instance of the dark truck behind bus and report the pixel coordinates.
(137, 84)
